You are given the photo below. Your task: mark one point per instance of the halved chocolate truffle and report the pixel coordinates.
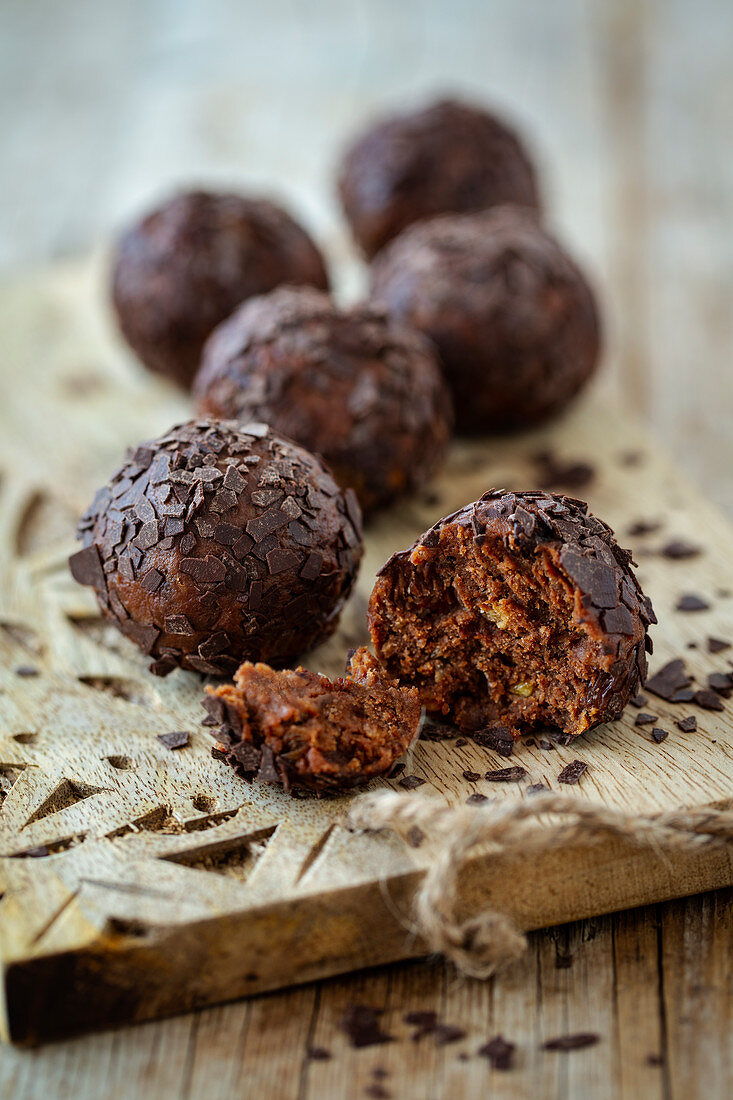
(446, 158)
(220, 542)
(512, 316)
(185, 266)
(351, 385)
(519, 610)
(300, 729)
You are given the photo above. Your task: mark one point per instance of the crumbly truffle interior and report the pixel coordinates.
(488, 635)
(320, 731)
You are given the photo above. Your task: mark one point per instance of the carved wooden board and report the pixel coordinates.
(139, 881)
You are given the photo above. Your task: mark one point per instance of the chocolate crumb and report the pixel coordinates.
(643, 527)
(396, 770)
(476, 799)
(472, 777)
(499, 1051)
(176, 740)
(410, 782)
(361, 1024)
(708, 700)
(572, 1042)
(506, 775)
(546, 745)
(721, 682)
(644, 719)
(26, 670)
(679, 550)
(377, 1092)
(421, 1018)
(687, 725)
(638, 700)
(447, 1033)
(670, 679)
(556, 473)
(498, 738)
(461, 741)
(535, 788)
(659, 735)
(573, 772)
(691, 602)
(717, 645)
(319, 1054)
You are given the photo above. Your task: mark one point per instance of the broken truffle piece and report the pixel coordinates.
(448, 157)
(512, 316)
(519, 609)
(185, 266)
(351, 385)
(219, 542)
(300, 729)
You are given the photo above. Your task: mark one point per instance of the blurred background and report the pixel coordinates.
(106, 106)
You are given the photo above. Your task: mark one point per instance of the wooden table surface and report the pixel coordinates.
(628, 104)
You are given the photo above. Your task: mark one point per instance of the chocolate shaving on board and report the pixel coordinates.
(176, 740)
(506, 775)
(691, 602)
(576, 1041)
(499, 1051)
(362, 1026)
(573, 772)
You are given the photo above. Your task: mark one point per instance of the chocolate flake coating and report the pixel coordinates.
(513, 318)
(519, 609)
(213, 603)
(300, 729)
(448, 157)
(186, 265)
(351, 385)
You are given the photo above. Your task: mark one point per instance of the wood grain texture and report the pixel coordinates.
(140, 881)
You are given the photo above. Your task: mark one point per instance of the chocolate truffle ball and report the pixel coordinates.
(520, 611)
(351, 385)
(220, 542)
(184, 268)
(301, 730)
(447, 158)
(512, 316)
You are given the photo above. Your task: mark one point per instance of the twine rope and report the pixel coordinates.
(489, 941)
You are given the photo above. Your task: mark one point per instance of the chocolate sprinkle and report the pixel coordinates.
(573, 772)
(708, 700)
(361, 1024)
(678, 550)
(691, 602)
(572, 1042)
(506, 775)
(410, 782)
(498, 738)
(671, 679)
(176, 740)
(499, 1051)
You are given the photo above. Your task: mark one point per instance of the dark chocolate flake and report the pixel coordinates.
(498, 738)
(26, 670)
(645, 719)
(499, 1051)
(175, 740)
(207, 570)
(573, 772)
(312, 567)
(679, 550)
(476, 799)
(670, 679)
(410, 782)
(86, 567)
(576, 1041)
(691, 602)
(687, 725)
(708, 700)
(717, 645)
(362, 1026)
(506, 775)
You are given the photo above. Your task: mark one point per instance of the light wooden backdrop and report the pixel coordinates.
(107, 103)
